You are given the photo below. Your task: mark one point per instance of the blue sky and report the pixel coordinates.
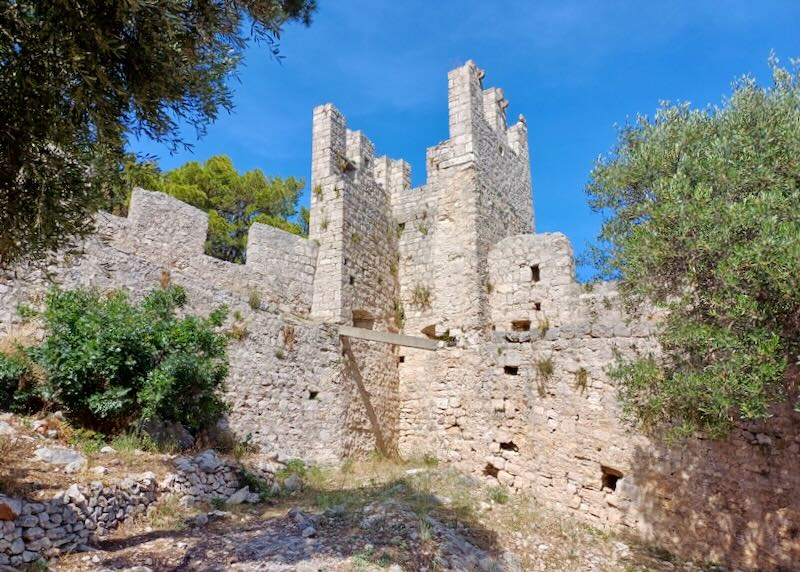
(574, 68)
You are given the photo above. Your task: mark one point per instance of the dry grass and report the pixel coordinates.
(484, 514)
(19, 336)
(167, 514)
(22, 476)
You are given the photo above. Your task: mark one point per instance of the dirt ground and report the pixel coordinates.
(378, 514)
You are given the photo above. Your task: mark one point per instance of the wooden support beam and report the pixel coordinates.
(388, 338)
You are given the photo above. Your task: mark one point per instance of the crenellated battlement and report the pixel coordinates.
(477, 192)
(161, 229)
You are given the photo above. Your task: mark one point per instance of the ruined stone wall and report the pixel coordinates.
(521, 395)
(534, 410)
(477, 192)
(416, 214)
(285, 374)
(164, 230)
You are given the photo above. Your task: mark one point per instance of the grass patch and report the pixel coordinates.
(87, 441)
(254, 300)
(167, 514)
(497, 494)
(293, 467)
(128, 445)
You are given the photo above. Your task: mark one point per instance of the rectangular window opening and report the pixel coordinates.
(362, 319)
(511, 370)
(521, 325)
(535, 273)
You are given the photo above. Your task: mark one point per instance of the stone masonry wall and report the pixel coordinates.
(285, 379)
(74, 519)
(477, 192)
(357, 276)
(534, 410)
(71, 520)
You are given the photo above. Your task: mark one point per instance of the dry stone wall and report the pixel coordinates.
(73, 519)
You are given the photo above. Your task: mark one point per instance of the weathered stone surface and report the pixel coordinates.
(239, 496)
(169, 434)
(59, 456)
(293, 483)
(10, 508)
(208, 461)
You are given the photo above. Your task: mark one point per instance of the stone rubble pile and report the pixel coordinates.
(206, 477)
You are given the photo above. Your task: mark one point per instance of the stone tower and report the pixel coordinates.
(425, 250)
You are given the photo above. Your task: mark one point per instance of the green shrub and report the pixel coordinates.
(110, 363)
(87, 440)
(19, 382)
(255, 484)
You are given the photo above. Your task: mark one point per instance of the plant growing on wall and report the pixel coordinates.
(701, 221)
(423, 227)
(421, 296)
(544, 325)
(544, 371)
(254, 299)
(581, 379)
(109, 363)
(399, 313)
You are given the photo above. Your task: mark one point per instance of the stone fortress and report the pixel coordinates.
(434, 320)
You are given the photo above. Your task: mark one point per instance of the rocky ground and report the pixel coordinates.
(372, 515)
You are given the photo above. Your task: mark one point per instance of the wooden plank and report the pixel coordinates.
(388, 338)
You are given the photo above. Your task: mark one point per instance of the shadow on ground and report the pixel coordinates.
(347, 527)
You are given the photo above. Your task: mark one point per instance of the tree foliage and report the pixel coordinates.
(703, 220)
(110, 364)
(78, 77)
(233, 201)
